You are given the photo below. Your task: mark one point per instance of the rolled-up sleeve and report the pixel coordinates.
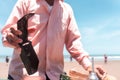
(74, 45)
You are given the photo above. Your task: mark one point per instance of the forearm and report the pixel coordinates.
(16, 13)
(86, 63)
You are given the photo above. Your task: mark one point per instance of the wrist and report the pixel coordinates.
(89, 69)
(86, 63)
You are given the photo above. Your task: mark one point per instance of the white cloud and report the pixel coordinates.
(107, 28)
(93, 31)
(111, 35)
(104, 37)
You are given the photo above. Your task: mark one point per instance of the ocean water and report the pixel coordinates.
(3, 58)
(97, 58)
(67, 58)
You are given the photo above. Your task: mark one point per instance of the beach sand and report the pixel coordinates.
(112, 68)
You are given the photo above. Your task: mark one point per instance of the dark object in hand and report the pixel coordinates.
(28, 55)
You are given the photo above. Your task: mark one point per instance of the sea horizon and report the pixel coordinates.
(67, 57)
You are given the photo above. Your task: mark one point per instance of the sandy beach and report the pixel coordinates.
(112, 67)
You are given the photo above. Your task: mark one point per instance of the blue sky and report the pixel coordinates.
(98, 22)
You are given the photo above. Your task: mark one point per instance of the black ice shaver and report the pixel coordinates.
(28, 54)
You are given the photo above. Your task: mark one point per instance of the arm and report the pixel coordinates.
(17, 12)
(74, 45)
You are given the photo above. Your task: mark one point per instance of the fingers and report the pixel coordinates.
(15, 32)
(98, 74)
(100, 71)
(101, 76)
(12, 37)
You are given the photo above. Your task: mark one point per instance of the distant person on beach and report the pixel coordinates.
(71, 58)
(105, 58)
(7, 59)
(52, 27)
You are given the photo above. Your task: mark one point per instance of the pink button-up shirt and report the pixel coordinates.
(54, 28)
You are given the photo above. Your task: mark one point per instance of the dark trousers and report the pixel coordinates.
(47, 78)
(10, 77)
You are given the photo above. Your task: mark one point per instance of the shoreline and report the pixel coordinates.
(67, 58)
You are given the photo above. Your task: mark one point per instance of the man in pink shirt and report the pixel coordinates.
(52, 27)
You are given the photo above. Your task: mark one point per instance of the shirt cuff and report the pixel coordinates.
(5, 42)
(4, 37)
(86, 63)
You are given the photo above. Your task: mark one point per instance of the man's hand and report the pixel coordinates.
(12, 36)
(101, 73)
